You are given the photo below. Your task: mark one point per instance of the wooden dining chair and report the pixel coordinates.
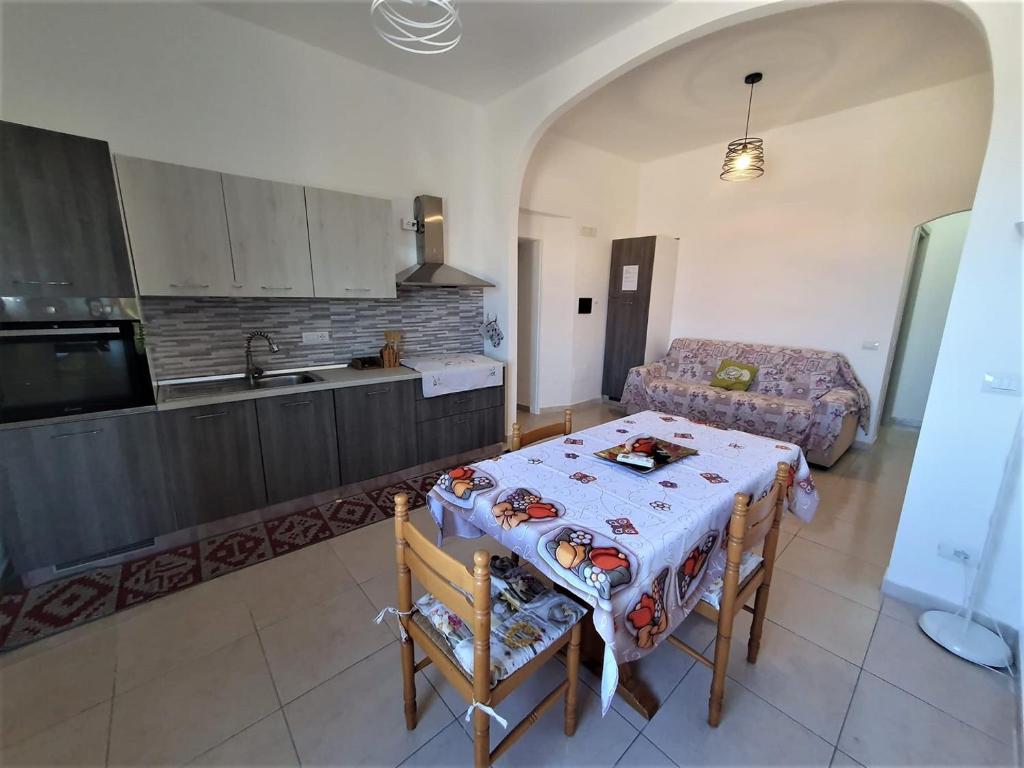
(749, 524)
(468, 596)
(523, 439)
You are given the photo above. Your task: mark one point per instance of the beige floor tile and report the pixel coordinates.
(178, 629)
(318, 642)
(867, 542)
(597, 742)
(182, 714)
(887, 726)
(808, 683)
(278, 588)
(791, 523)
(905, 656)
(357, 719)
(80, 741)
(843, 574)
(752, 731)
(451, 747)
(368, 551)
(266, 743)
(643, 754)
(901, 611)
(842, 760)
(45, 689)
(832, 621)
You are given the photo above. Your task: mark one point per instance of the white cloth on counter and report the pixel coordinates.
(448, 374)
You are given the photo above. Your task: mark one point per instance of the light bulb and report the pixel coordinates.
(743, 161)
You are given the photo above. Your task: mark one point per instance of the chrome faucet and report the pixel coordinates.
(253, 371)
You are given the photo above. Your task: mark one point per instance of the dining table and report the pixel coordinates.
(639, 548)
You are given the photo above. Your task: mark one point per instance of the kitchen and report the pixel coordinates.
(175, 349)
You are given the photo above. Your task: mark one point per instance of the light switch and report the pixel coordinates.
(872, 345)
(1001, 383)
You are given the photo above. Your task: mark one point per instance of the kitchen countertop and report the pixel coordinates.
(173, 396)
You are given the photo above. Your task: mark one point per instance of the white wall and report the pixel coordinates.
(186, 84)
(591, 188)
(924, 318)
(815, 253)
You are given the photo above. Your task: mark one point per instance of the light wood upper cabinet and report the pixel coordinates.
(177, 228)
(269, 239)
(350, 245)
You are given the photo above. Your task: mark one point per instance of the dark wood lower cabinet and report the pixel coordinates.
(73, 491)
(212, 461)
(376, 433)
(299, 444)
(451, 435)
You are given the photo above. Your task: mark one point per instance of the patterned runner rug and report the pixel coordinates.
(67, 602)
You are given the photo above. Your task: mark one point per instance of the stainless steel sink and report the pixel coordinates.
(285, 380)
(224, 386)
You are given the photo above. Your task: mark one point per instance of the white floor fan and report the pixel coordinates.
(958, 632)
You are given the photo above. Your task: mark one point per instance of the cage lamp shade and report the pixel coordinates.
(744, 158)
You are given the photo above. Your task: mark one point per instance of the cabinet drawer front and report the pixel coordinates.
(459, 402)
(300, 446)
(376, 433)
(77, 490)
(451, 435)
(212, 455)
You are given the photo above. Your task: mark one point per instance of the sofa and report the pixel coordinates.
(803, 396)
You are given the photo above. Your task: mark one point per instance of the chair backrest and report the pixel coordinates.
(522, 439)
(466, 594)
(748, 525)
(761, 514)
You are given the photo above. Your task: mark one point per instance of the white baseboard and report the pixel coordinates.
(909, 423)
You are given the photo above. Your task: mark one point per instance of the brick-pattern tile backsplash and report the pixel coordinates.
(203, 337)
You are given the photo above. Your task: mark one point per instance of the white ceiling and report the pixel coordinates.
(815, 61)
(504, 44)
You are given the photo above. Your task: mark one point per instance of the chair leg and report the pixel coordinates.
(757, 623)
(409, 682)
(572, 671)
(481, 739)
(722, 643)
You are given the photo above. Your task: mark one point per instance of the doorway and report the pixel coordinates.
(937, 249)
(528, 327)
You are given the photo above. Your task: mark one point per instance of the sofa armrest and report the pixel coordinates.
(635, 393)
(839, 402)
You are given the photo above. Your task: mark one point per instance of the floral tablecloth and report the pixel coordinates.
(638, 548)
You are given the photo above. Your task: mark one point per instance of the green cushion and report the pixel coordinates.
(732, 374)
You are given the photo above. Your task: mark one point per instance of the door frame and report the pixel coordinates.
(537, 246)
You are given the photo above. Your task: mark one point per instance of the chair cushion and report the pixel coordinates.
(526, 618)
(713, 592)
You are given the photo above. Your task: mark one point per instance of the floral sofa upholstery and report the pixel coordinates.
(803, 396)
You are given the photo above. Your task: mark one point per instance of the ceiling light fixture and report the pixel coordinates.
(744, 158)
(437, 29)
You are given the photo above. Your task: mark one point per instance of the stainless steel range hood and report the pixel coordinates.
(430, 269)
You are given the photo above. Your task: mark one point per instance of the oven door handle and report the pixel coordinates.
(105, 330)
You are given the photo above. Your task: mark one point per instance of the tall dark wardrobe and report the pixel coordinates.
(640, 291)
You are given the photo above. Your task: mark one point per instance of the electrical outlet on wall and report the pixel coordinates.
(959, 553)
(316, 337)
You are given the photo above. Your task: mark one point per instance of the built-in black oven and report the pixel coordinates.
(61, 368)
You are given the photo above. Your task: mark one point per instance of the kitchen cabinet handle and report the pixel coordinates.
(65, 435)
(297, 402)
(359, 290)
(463, 420)
(462, 401)
(42, 282)
(276, 287)
(378, 391)
(189, 285)
(210, 415)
